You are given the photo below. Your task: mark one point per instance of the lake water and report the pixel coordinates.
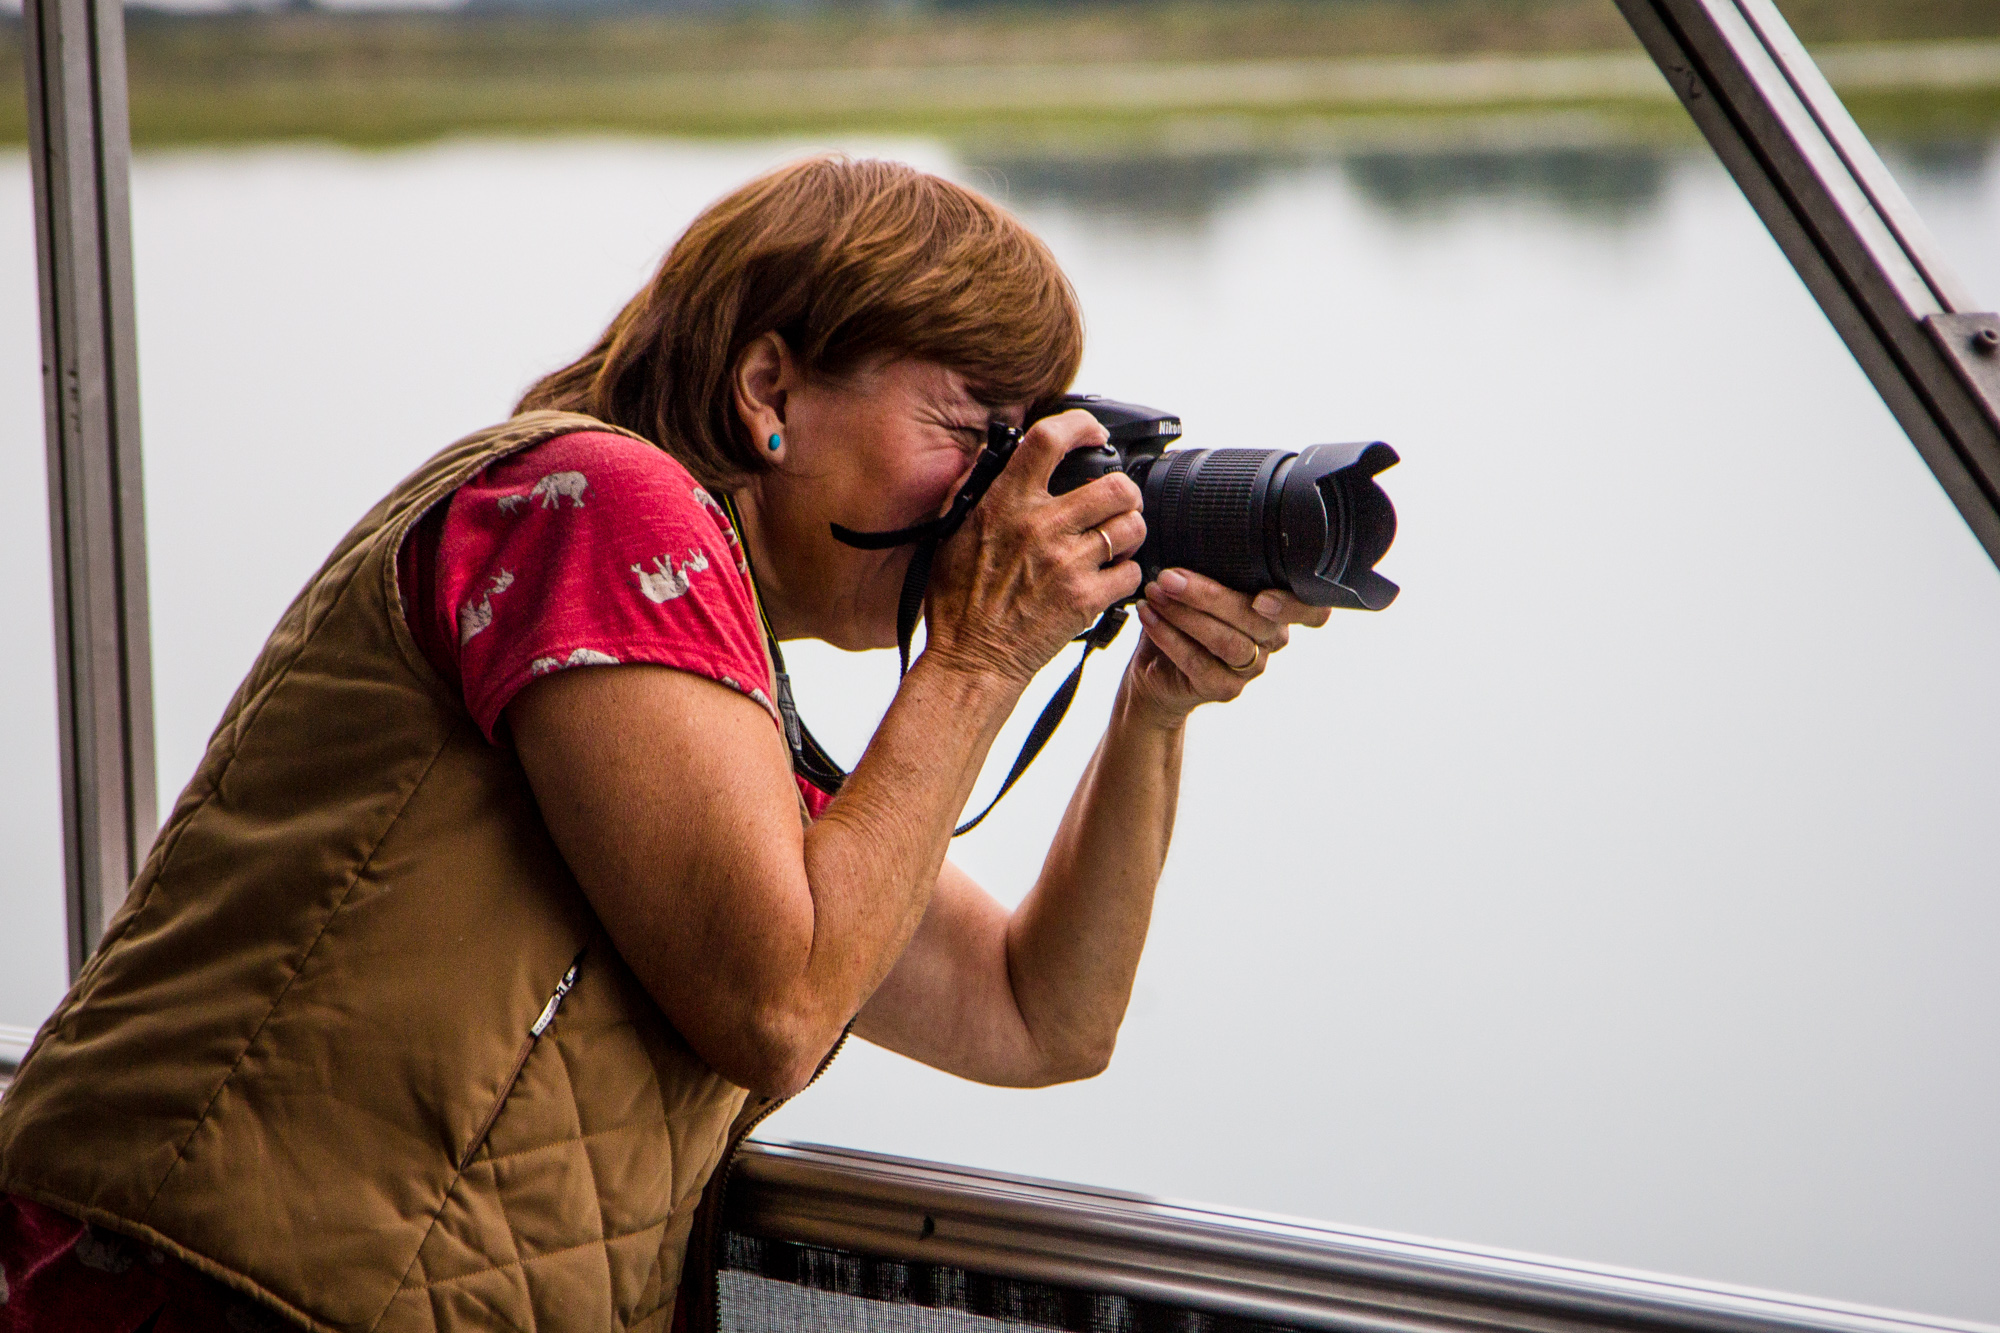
(1626, 892)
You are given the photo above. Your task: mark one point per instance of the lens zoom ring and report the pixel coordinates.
(1211, 514)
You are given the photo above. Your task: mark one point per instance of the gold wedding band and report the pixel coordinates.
(1256, 651)
(1109, 553)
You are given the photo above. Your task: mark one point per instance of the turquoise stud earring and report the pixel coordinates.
(774, 442)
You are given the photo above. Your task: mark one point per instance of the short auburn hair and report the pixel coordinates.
(846, 261)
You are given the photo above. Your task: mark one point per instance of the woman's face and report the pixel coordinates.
(883, 448)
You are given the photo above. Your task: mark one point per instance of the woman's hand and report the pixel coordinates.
(1204, 642)
(1030, 571)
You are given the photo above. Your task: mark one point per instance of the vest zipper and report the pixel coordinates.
(728, 1169)
(535, 1031)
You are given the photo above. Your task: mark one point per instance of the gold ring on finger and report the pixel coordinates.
(1256, 653)
(1110, 552)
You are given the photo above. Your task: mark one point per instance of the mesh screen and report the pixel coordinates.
(778, 1287)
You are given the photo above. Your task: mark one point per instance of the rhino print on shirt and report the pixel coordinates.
(708, 502)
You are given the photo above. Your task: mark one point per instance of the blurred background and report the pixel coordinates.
(1626, 892)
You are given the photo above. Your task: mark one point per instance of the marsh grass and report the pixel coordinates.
(397, 78)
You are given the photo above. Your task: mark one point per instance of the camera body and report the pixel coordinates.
(1310, 521)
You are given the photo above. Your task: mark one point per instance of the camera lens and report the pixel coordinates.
(1313, 522)
(1210, 510)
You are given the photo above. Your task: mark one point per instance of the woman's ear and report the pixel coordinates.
(765, 373)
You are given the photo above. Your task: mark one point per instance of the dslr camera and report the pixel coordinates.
(1310, 521)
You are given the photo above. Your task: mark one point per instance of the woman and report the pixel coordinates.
(495, 914)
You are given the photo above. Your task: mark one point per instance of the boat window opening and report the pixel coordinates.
(824, 1235)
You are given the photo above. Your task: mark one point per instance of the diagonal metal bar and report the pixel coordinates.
(79, 150)
(1832, 206)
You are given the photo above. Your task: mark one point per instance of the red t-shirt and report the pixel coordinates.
(588, 550)
(58, 1275)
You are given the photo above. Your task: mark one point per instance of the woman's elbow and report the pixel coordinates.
(1087, 1063)
(1073, 1062)
(779, 1053)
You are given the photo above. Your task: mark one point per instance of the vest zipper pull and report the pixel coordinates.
(535, 1032)
(555, 1001)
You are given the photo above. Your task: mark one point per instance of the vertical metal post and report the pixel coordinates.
(80, 149)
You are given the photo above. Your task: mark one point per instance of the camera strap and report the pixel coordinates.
(1097, 636)
(809, 759)
(1001, 441)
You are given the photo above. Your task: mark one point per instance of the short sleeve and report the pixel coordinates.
(589, 550)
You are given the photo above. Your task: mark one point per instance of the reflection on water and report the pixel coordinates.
(1167, 192)
(1179, 191)
(1607, 183)
(1624, 892)
(1611, 184)
(1944, 162)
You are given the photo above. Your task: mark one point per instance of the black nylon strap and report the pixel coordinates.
(1097, 636)
(809, 758)
(882, 541)
(910, 605)
(1001, 441)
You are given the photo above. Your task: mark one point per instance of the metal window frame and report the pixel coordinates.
(79, 146)
(1847, 228)
(1252, 1267)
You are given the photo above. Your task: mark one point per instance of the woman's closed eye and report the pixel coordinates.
(966, 435)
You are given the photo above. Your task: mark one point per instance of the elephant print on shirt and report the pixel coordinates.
(556, 487)
(512, 504)
(753, 693)
(542, 666)
(104, 1251)
(708, 502)
(665, 582)
(476, 616)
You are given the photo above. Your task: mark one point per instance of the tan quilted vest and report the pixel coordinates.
(301, 1059)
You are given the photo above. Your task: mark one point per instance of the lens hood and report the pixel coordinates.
(1335, 523)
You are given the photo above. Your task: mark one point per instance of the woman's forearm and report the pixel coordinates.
(1073, 944)
(873, 858)
(1036, 995)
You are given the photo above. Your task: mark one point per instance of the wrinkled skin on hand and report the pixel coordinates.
(1026, 573)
